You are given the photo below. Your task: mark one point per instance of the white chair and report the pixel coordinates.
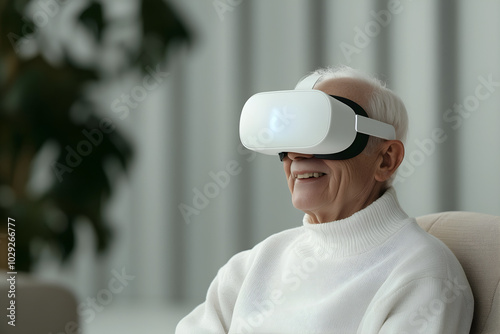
(41, 307)
(474, 238)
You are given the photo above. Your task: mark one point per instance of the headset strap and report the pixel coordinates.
(308, 81)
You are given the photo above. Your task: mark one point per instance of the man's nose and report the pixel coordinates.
(299, 156)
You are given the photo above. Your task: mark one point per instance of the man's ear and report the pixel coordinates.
(391, 155)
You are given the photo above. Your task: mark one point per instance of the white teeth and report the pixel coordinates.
(308, 175)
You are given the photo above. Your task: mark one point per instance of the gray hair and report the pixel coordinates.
(384, 104)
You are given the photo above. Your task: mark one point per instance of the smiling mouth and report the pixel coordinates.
(309, 175)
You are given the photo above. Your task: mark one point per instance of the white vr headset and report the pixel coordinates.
(308, 121)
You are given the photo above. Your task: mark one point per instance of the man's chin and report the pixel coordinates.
(304, 203)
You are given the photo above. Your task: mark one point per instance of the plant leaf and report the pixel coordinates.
(93, 19)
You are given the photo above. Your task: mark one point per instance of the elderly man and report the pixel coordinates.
(358, 264)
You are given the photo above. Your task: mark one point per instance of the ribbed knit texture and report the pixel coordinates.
(360, 232)
(373, 272)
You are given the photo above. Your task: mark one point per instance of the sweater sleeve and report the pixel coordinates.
(214, 315)
(427, 305)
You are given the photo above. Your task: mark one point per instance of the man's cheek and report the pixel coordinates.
(286, 167)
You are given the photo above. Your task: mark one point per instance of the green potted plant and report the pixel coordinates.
(45, 106)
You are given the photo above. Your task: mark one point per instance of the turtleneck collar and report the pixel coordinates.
(356, 234)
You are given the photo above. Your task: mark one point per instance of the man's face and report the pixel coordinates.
(333, 189)
(336, 188)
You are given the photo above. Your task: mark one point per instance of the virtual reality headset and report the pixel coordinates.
(308, 121)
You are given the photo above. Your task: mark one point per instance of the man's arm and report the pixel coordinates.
(215, 314)
(426, 305)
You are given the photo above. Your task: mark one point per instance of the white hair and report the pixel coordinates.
(384, 105)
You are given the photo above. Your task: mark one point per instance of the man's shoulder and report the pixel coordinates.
(273, 244)
(279, 240)
(425, 254)
(424, 242)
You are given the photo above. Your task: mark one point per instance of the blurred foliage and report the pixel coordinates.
(38, 100)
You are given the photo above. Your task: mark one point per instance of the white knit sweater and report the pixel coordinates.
(373, 272)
